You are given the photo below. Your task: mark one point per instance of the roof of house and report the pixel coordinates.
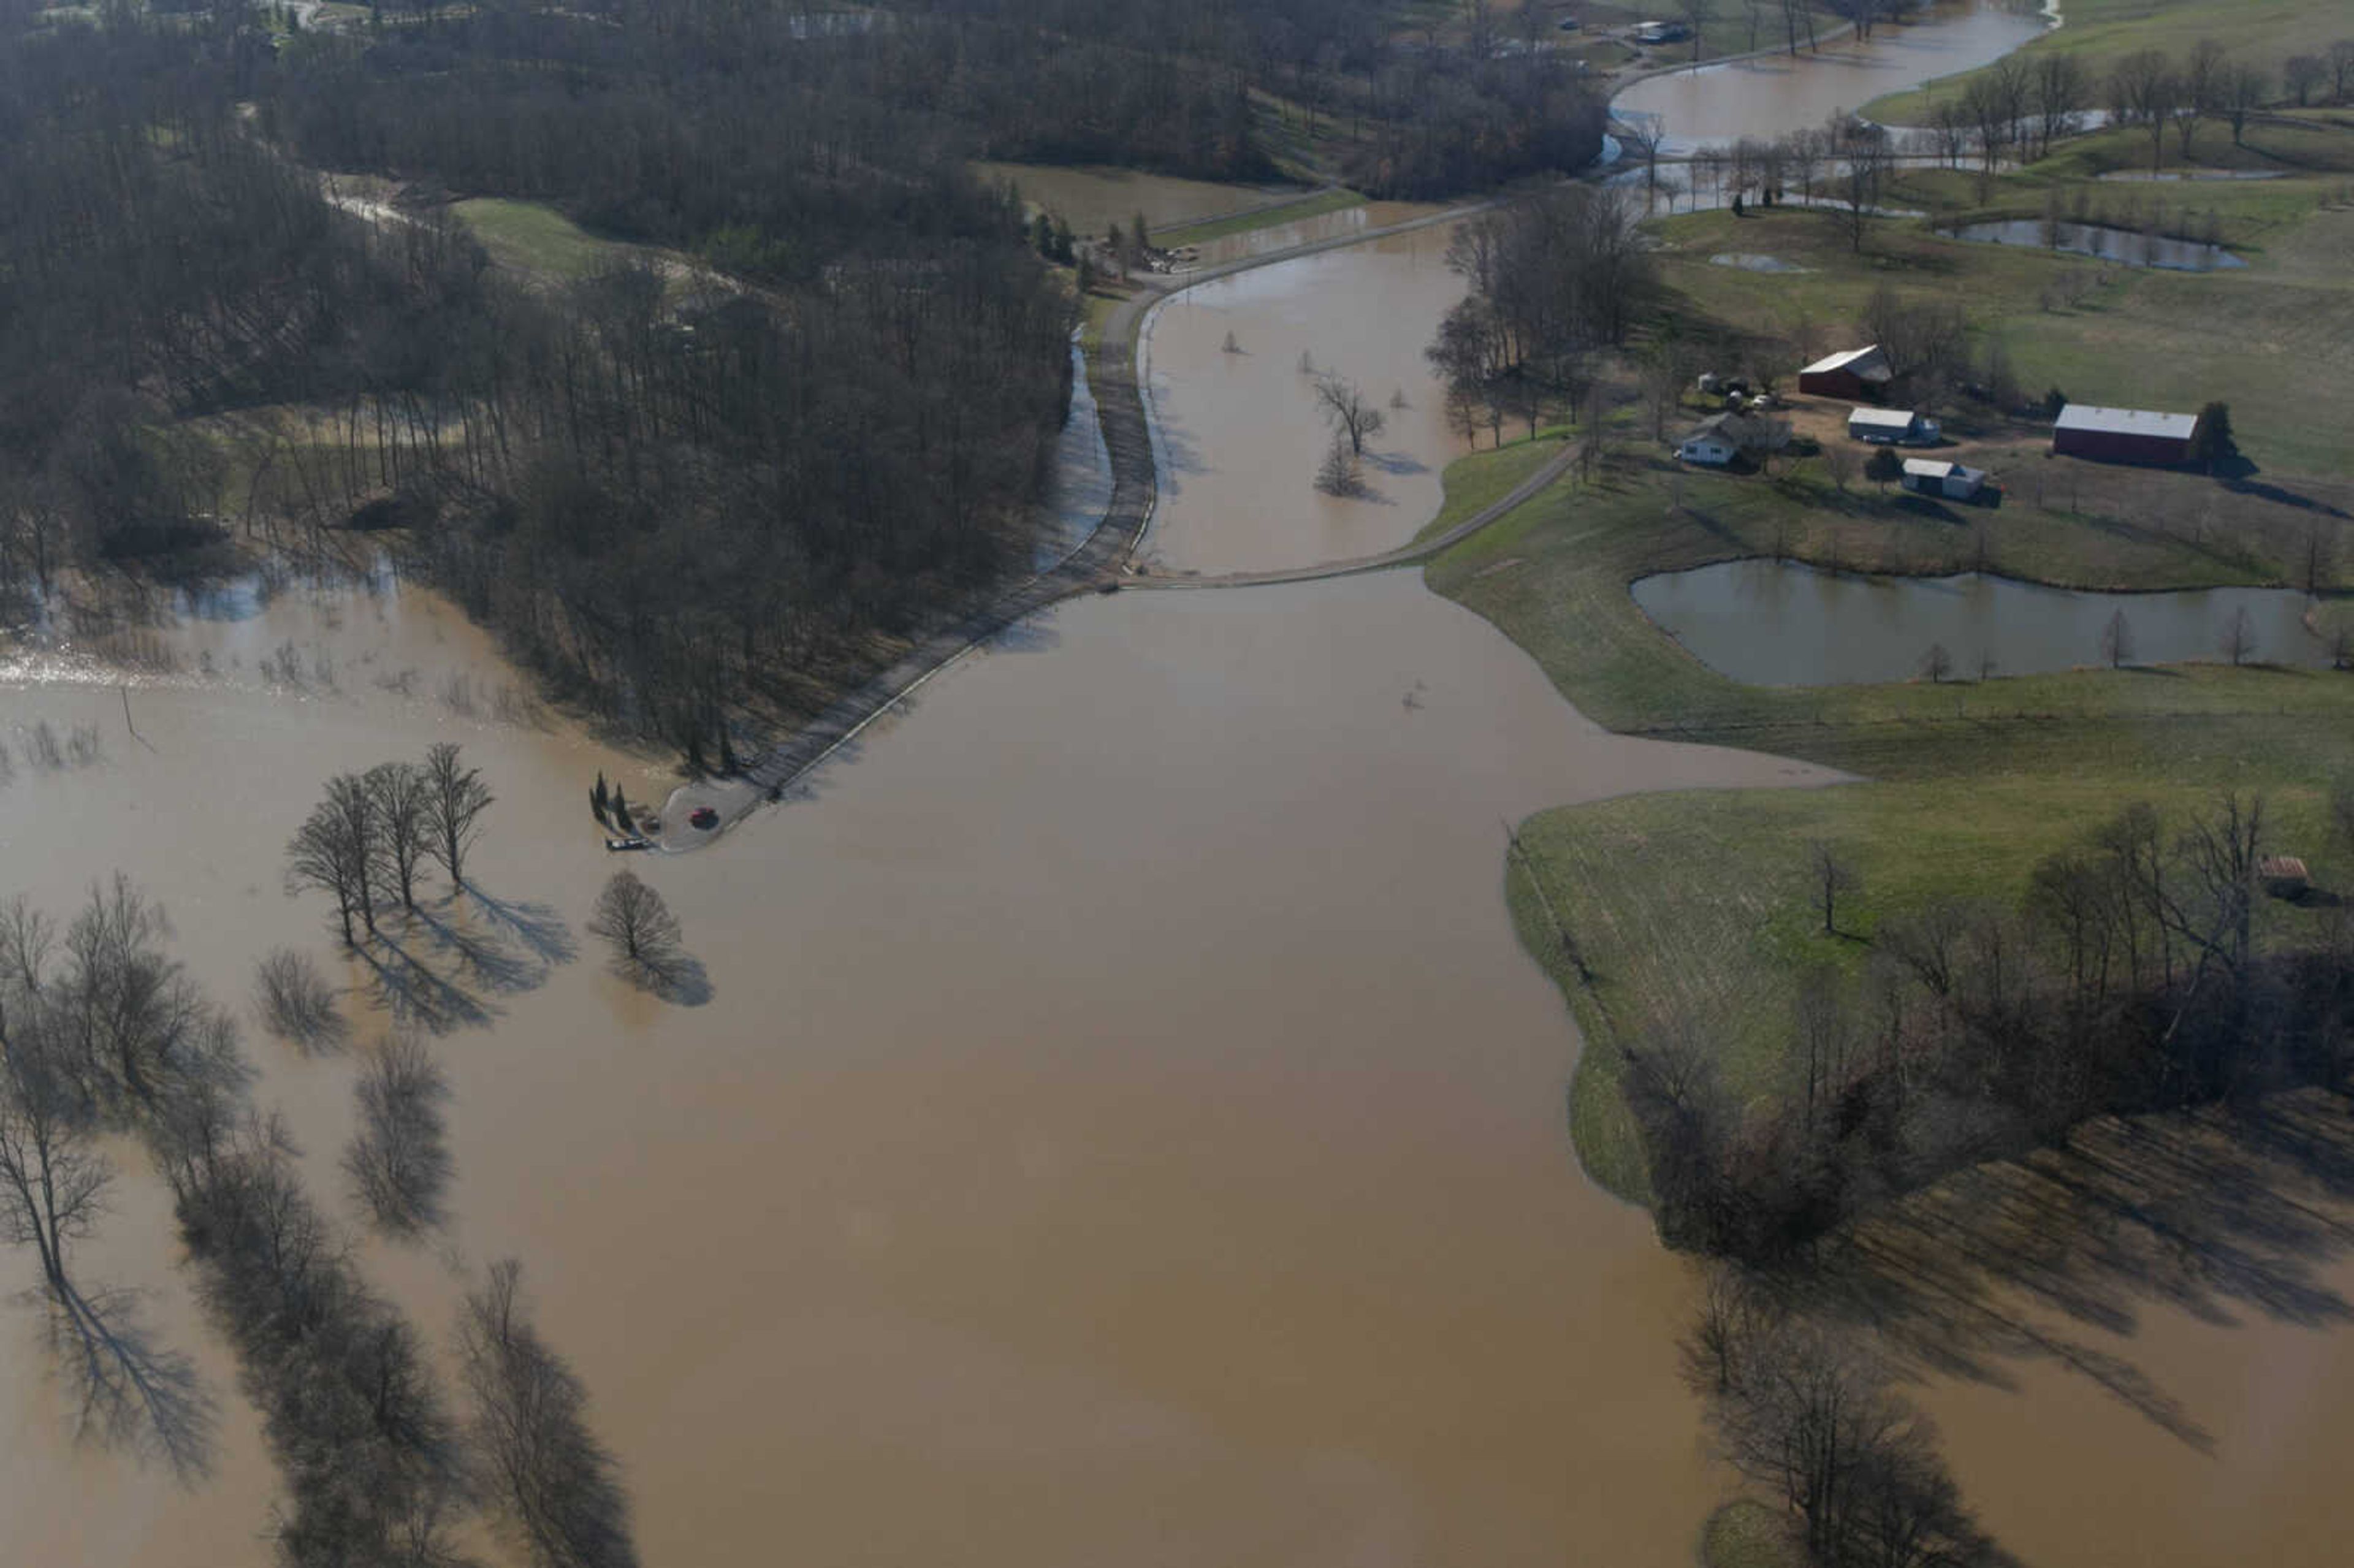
(1894, 418)
(2129, 422)
(1937, 468)
(2282, 866)
(1867, 364)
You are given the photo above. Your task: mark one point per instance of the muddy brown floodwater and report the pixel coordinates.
(1124, 1127)
(1242, 434)
(1778, 93)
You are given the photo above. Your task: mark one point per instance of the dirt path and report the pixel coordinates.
(1102, 563)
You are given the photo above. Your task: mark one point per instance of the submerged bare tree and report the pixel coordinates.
(334, 851)
(399, 794)
(558, 1486)
(455, 799)
(1354, 418)
(398, 1161)
(295, 1001)
(643, 933)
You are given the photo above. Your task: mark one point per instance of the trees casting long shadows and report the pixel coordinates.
(644, 937)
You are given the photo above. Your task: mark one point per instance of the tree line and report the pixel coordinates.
(2128, 976)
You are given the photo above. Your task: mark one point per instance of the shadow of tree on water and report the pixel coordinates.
(2226, 1215)
(129, 1392)
(414, 993)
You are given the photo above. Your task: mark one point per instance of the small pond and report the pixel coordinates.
(1778, 624)
(2123, 246)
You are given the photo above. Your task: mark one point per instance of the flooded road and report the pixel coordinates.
(1242, 434)
(1776, 94)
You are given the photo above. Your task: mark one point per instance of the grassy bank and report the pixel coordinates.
(2101, 32)
(1316, 205)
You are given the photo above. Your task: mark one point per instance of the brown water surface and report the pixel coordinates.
(1242, 434)
(1125, 1127)
(1778, 93)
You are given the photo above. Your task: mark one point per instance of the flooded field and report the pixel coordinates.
(1783, 624)
(1242, 433)
(1775, 94)
(1123, 1118)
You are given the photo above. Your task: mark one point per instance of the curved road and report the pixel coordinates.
(1102, 563)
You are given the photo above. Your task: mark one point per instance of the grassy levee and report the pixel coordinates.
(1480, 479)
(1334, 200)
(2101, 32)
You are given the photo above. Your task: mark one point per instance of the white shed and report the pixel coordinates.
(1930, 476)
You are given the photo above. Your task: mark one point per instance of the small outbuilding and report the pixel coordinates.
(1933, 476)
(1892, 428)
(2125, 435)
(2284, 875)
(1857, 374)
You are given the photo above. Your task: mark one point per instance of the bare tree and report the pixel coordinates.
(2302, 73)
(397, 791)
(1339, 474)
(398, 1161)
(53, 1181)
(1832, 875)
(642, 931)
(2240, 637)
(2245, 88)
(2341, 67)
(559, 1487)
(2061, 89)
(295, 1001)
(455, 799)
(2203, 89)
(2144, 87)
(2117, 640)
(332, 850)
(1697, 15)
(1937, 663)
(1351, 414)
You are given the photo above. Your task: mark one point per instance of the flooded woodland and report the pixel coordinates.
(1122, 1126)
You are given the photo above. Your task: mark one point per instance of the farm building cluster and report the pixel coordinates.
(1864, 378)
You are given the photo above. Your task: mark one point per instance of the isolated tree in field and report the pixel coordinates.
(2240, 637)
(633, 918)
(1832, 875)
(399, 791)
(2214, 443)
(332, 852)
(558, 1486)
(599, 798)
(1697, 15)
(397, 1162)
(455, 799)
(1352, 415)
(1883, 468)
(2117, 640)
(2203, 83)
(1937, 663)
(295, 1001)
(2302, 73)
(1840, 464)
(2145, 86)
(2245, 88)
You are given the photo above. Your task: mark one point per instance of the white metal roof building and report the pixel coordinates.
(2129, 422)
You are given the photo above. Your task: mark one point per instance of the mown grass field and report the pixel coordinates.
(2101, 32)
(1316, 205)
(531, 238)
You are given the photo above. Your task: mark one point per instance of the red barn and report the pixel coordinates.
(2125, 435)
(1856, 375)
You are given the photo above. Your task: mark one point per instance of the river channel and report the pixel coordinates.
(1123, 1127)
